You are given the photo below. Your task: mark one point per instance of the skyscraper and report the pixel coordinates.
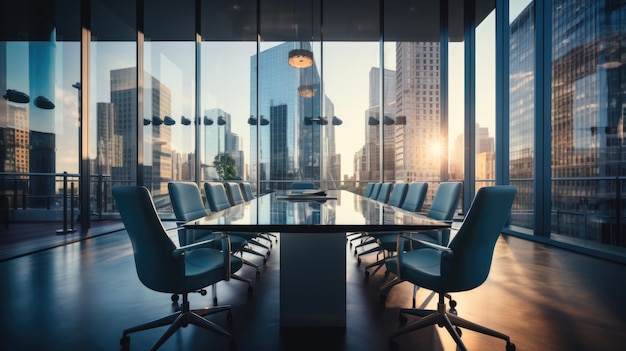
(157, 136)
(374, 122)
(291, 145)
(418, 138)
(587, 122)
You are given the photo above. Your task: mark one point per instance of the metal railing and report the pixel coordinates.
(590, 208)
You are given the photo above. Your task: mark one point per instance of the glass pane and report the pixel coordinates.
(169, 108)
(485, 102)
(226, 121)
(522, 112)
(113, 99)
(352, 88)
(588, 169)
(39, 116)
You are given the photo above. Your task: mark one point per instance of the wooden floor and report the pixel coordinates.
(81, 295)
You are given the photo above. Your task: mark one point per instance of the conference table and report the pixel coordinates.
(313, 227)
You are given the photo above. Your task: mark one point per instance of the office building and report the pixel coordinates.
(100, 93)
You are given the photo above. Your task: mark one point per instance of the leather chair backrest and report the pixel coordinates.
(216, 196)
(186, 201)
(368, 189)
(445, 201)
(152, 247)
(247, 191)
(383, 194)
(233, 192)
(375, 190)
(303, 185)
(415, 196)
(398, 194)
(474, 243)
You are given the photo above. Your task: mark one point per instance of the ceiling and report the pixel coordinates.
(236, 20)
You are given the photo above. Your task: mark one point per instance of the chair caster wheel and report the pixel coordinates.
(203, 292)
(358, 261)
(386, 274)
(125, 341)
(402, 319)
(268, 253)
(458, 331)
(367, 274)
(393, 346)
(175, 298)
(510, 346)
(355, 253)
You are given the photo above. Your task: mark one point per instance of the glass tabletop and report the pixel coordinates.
(338, 211)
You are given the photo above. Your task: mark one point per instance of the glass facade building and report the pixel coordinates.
(99, 93)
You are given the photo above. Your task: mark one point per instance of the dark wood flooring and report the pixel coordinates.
(81, 295)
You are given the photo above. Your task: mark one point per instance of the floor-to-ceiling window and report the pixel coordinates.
(522, 111)
(588, 174)
(113, 99)
(332, 91)
(169, 94)
(484, 149)
(414, 128)
(39, 112)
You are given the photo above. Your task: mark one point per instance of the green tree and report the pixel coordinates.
(225, 166)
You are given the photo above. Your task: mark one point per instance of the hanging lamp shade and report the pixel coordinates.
(300, 58)
(16, 96)
(306, 91)
(44, 103)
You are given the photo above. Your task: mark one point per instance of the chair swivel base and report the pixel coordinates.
(182, 319)
(450, 321)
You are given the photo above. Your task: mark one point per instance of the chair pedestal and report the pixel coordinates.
(450, 321)
(181, 319)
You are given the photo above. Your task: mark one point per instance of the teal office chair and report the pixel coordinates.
(246, 190)
(218, 201)
(396, 198)
(398, 194)
(384, 192)
(368, 189)
(233, 191)
(367, 193)
(187, 204)
(416, 193)
(235, 196)
(442, 209)
(463, 265)
(163, 267)
(302, 185)
(360, 235)
(375, 190)
(415, 196)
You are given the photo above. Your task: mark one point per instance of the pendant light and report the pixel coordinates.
(301, 58)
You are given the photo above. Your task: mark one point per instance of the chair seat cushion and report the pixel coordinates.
(204, 267)
(422, 265)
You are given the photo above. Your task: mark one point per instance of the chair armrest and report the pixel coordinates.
(421, 243)
(226, 249)
(447, 253)
(180, 251)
